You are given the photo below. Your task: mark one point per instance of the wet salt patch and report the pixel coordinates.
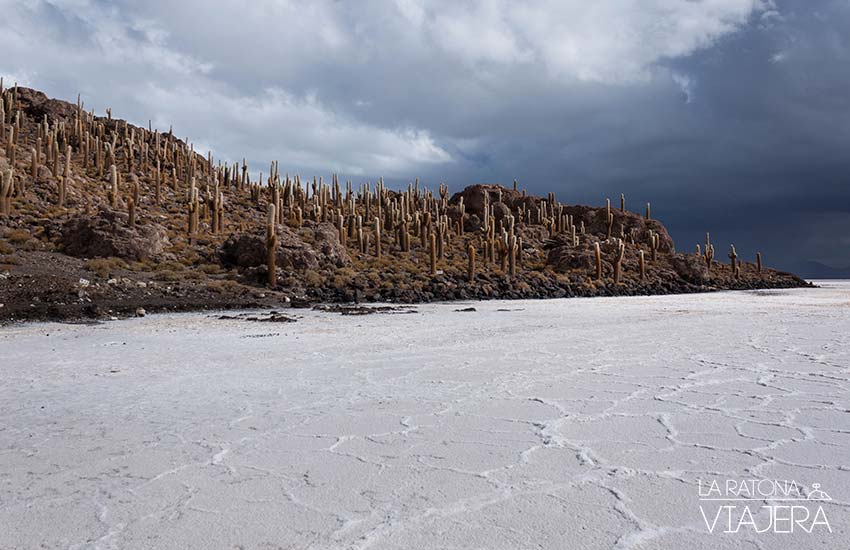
(491, 429)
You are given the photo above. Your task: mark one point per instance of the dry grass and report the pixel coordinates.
(224, 286)
(313, 278)
(211, 269)
(18, 236)
(6, 248)
(104, 267)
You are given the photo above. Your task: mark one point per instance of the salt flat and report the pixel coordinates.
(583, 423)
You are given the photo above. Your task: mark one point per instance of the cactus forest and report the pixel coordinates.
(101, 217)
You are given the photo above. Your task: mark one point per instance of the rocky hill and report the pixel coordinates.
(99, 218)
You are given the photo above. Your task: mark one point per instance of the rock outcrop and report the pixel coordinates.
(107, 234)
(311, 247)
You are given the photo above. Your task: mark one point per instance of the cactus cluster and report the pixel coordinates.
(141, 169)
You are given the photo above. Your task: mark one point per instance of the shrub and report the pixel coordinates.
(313, 278)
(18, 236)
(105, 266)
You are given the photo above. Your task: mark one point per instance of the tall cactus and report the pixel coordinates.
(131, 207)
(733, 257)
(158, 184)
(654, 243)
(377, 237)
(63, 189)
(618, 260)
(33, 164)
(512, 250)
(433, 251)
(271, 247)
(113, 192)
(6, 188)
(598, 252)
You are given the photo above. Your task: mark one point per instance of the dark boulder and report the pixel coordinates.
(293, 252)
(690, 267)
(108, 234)
(473, 197)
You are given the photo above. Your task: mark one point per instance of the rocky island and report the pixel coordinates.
(101, 218)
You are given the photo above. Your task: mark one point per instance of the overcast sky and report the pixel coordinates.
(731, 116)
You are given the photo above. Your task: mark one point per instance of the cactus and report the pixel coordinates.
(341, 229)
(470, 270)
(708, 255)
(598, 261)
(6, 188)
(33, 164)
(63, 181)
(433, 251)
(271, 247)
(654, 242)
(158, 184)
(377, 237)
(618, 260)
(67, 172)
(134, 180)
(758, 262)
(10, 141)
(131, 208)
(519, 251)
(193, 210)
(733, 257)
(512, 250)
(642, 265)
(113, 193)
(623, 203)
(610, 224)
(648, 211)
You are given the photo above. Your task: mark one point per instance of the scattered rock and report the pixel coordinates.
(271, 317)
(364, 310)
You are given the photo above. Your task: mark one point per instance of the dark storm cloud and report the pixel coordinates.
(730, 116)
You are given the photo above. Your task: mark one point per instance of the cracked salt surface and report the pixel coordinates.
(580, 423)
